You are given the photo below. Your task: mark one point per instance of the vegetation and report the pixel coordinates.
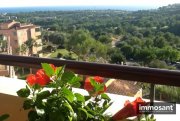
(149, 38)
(63, 53)
(168, 93)
(3, 44)
(49, 96)
(141, 36)
(4, 117)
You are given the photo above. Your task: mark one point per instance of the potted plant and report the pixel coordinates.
(49, 96)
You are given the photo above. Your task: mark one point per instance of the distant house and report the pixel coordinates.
(18, 33)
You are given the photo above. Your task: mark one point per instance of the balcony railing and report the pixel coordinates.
(140, 74)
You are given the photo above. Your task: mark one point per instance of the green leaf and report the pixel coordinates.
(105, 96)
(36, 87)
(51, 100)
(75, 81)
(105, 106)
(79, 97)
(48, 69)
(32, 116)
(90, 116)
(39, 97)
(59, 71)
(87, 97)
(66, 104)
(68, 94)
(43, 95)
(89, 106)
(24, 92)
(51, 85)
(93, 82)
(67, 76)
(28, 104)
(56, 116)
(97, 86)
(82, 114)
(4, 117)
(40, 104)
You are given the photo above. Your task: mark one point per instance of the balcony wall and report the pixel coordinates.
(11, 104)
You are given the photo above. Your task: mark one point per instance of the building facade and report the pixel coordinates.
(18, 34)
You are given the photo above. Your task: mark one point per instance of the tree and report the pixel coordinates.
(148, 42)
(54, 27)
(76, 38)
(89, 48)
(3, 44)
(57, 38)
(146, 55)
(116, 56)
(127, 51)
(160, 42)
(168, 54)
(118, 30)
(147, 33)
(27, 46)
(159, 64)
(104, 39)
(30, 43)
(100, 50)
(23, 49)
(135, 41)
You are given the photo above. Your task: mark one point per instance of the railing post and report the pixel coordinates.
(152, 93)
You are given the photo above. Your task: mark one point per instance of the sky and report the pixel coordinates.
(25, 3)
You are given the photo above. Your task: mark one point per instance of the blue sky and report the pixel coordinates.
(24, 3)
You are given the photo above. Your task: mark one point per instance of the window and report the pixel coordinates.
(37, 29)
(14, 33)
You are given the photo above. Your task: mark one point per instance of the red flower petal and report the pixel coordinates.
(129, 109)
(42, 78)
(123, 113)
(31, 79)
(98, 79)
(41, 81)
(126, 102)
(87, 85)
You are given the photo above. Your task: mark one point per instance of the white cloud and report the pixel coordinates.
(15, 3)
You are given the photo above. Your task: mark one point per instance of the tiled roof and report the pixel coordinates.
(123, 87)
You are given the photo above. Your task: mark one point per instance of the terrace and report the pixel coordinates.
(139, 74)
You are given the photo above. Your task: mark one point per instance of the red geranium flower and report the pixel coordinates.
(87, 84)
(90, 88)
(130, 109)
(98, 79)
(31, 79)
(42, 78)
(39, 78)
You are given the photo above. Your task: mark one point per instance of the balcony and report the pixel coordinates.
(139, 74)
(37, 34)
